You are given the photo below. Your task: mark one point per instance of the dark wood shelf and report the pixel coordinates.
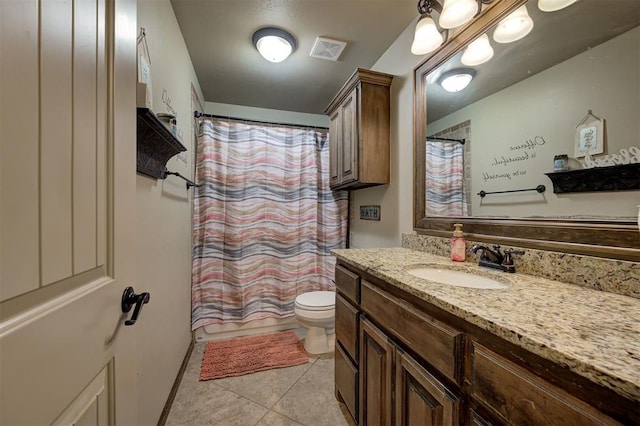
(155, 144)
(623, 177)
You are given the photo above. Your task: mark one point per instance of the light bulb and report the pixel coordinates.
(478, 52)
(457, 12)
(514, 27)
(274, 48)
(427, 38)
(553, 5)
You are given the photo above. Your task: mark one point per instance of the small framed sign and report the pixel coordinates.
(589, 136)
(370, 212)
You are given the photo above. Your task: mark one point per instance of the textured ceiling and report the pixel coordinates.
(218, 36)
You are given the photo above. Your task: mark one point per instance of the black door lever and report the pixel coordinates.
(130, 298)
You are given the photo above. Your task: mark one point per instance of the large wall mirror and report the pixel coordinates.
(484, 153)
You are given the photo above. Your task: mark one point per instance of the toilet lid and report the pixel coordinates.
(316, 300)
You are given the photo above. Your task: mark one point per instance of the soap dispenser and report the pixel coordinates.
(458, 246)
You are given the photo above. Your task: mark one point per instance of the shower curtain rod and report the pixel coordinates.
(437, 139)
(198, 114)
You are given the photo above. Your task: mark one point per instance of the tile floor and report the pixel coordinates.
(294, 396)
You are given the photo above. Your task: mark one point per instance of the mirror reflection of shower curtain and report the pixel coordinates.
(264, 220)
(444, 184)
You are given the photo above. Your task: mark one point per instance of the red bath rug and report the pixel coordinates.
(244, 355)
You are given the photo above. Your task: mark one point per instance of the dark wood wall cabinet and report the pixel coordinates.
(403, 361)
(359, 131)
(155, 144)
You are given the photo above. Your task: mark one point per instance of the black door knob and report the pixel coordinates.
(129, 299)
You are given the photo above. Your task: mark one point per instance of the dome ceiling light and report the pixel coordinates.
(274, 44)
(457, 79)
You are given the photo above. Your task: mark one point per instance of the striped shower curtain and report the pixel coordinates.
(264, 220)
(444, 185)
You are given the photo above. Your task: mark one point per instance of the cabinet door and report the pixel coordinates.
(421, 399)
(376, 368)
(346, 381)
(347, 326)
(335, 147)
(349, 160)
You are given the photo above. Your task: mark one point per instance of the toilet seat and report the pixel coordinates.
(316, 300)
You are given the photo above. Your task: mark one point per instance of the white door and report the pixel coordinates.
(67, 200)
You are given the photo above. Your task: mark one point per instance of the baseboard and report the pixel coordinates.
(176, 385)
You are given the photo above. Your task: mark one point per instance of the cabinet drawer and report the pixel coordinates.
(347, 326)
(437, 343)
(348, 284)
(346, 380)
(522, 398)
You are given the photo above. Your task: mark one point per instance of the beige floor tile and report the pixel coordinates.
(300, 396)
(311, 401)
(264, 387)
(205, 403)
(274, 419)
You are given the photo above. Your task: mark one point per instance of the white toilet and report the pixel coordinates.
(316, 311)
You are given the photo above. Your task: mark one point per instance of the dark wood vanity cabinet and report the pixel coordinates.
(519, 397)
(396, 389)
(347, 338)
(359, 131)
(401, 361)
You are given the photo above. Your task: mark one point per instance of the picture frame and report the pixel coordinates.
(589, 137)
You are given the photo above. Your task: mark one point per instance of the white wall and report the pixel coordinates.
(549, 105)
(396, 198)
(164, 219)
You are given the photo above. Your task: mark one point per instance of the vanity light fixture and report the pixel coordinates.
(427, 37)
(553, 5)
(514, 27)
(478, 52)
(457, 12)
(457, 79)
(274, 44)
(452, 14)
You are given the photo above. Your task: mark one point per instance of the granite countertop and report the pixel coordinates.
(593, 333)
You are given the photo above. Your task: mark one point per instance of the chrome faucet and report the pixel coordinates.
(496, 258)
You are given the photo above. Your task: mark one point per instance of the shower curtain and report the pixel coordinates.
(264, 220)
(444, 185)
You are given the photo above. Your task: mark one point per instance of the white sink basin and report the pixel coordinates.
(456, 278)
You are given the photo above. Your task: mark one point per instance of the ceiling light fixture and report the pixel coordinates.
(457, 79)
(454, 13)
(514, 27)
(553, 5)
(478, 52)
(274, 44)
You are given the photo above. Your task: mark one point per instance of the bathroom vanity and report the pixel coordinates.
(413, 351)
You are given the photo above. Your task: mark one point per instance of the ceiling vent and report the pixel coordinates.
(326, 48)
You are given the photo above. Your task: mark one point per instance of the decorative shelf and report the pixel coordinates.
(155, 144)
(621, 177)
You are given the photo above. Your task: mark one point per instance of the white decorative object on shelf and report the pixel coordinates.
(627, 156)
